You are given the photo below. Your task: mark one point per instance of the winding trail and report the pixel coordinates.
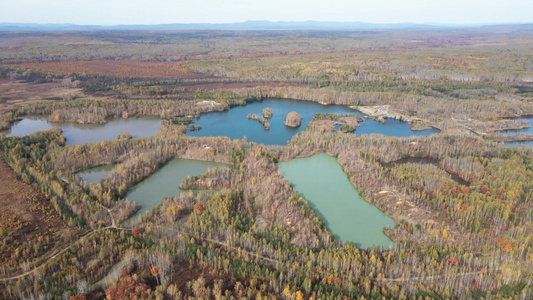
(433, 277)
(418, 278)
(217, 242)
(58, 252)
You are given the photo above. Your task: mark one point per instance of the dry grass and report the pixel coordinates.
(236, 85)
(26, 217)
(116, 68)
(16, 93)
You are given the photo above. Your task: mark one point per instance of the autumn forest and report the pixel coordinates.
(459, 188)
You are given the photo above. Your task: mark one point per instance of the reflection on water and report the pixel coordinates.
(75, 133)
(522, 131)
(526, 131)
(95, 175)
(29, 125)
(235, 124)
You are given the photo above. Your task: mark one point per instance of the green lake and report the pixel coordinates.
(322, 182)
(165, 182)
(96, 174)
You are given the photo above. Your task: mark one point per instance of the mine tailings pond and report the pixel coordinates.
(321, 181)
(75, 133)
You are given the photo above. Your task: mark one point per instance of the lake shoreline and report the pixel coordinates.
(348, 203)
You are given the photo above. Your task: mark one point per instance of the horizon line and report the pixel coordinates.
(269, 21)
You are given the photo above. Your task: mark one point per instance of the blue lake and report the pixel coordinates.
(235, 124)
(528, 131)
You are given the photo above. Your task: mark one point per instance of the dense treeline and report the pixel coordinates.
(463, 204)
(448, 113)
(97, 111)
(175, 46)
(436, 239)
(257, 225)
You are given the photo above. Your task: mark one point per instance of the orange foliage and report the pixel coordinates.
(329, 280)
(507, 246)
(78, 297)
(460, 190)
(484, 189)
(465, 190)
(338, 281)
(135, 230)
(128, 288)
(463, 207)
(453, 261)
(199, 207)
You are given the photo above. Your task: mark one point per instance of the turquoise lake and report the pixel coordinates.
(331, 194)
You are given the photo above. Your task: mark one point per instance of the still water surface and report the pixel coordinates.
(232, 123)
(235, 124)
(74, 133)
(528, 131)
(165, 182)
(522, 131)
(322, 182)
(96, 174)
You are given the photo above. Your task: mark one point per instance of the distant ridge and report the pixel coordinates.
(248, 25)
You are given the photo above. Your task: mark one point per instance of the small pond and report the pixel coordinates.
(96, 174)
(522, 131)
(426, 161)
(526, 131)
(165, 182)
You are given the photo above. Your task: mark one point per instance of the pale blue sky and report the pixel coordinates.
(113, 12)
